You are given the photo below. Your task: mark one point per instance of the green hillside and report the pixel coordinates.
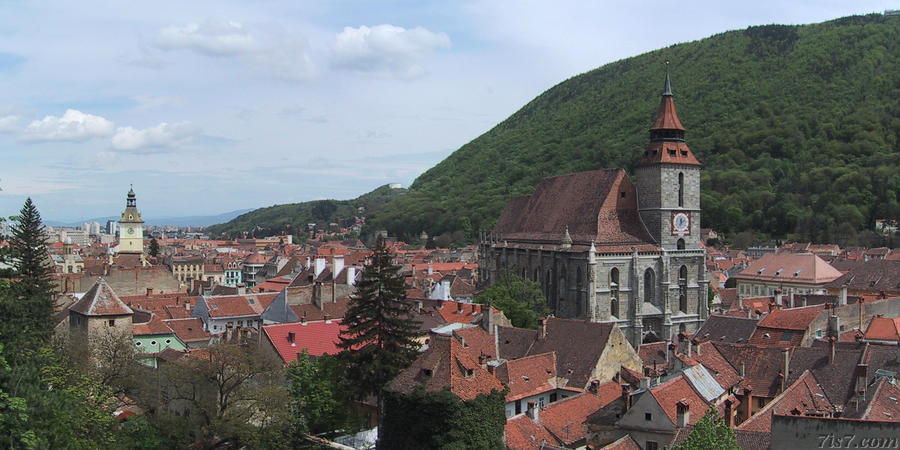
(294, 217)
(797, 127)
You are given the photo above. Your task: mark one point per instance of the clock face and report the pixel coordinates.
(130, 230)
(681, 224)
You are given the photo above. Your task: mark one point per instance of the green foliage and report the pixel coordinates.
(520, 300)
(441, 420)
(710, 432)
(380, 338)
(796, 125)
(154, 248)
(293, 218)
(318, 401)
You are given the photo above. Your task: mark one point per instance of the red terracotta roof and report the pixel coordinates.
(528, 376)
(790, 267)
(624, 443)
(679, 390)
(885, 403)
(238, 305)
(311, 312)
(883, 329)
(446, 365)
(188, 329)
(477, 342)
(152, 327)
(803, 397)
(566, 418)
(317, 338)
(722, 371)
(591, 204)
(791, 318)
(100, 300)
(522, 433)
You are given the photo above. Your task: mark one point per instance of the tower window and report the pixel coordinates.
(680, 189)
(680, 244)
(672, 152)
(623, 194)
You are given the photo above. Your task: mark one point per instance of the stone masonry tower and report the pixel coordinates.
(131, 228)
(668, 181)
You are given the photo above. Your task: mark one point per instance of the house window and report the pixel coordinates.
(541, 401)
(112, 322)
(518, 406)
(648, 417)
(553, 397)
(652, 445)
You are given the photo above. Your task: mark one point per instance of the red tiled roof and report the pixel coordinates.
(590, 204)
(477, 342)
(624, 443)
(522, 433)
(446, 365)
(188, 329)
(566, 418)
(238, 305)
(885, 403)
(679, 390)
(458, 312)
(528, 376)
(722, 371)
(790, 267)
(310, 312)
(803, 397)
(317, 338)
(883, 329)
(100, 300)
(791, 318)
(154, 326)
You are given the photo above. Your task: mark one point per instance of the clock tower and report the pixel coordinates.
(668, 180)
(131, 228)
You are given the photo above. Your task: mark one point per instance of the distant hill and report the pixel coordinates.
(193, 221)
(294, 217)
(797, 127)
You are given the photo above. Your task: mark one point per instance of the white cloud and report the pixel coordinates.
(164, 135)
(212, 37)
(8, 123)
(386, 49)
(74, 125)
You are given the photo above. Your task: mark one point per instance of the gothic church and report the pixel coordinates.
(605, 249)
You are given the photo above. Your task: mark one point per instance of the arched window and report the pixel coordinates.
(535, 278)
(680, 189)
(614, 307)
(614, 292)
(680, 244)
(649, 284)
(579, 297)
(682, 303)
(682, 289)
(614, 278)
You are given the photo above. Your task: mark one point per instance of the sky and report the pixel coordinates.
(213, 106)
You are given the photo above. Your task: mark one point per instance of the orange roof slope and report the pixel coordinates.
(803, 397)
(100, 300)
(883, 329)
(790, 267)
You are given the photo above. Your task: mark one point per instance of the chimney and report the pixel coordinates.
(683, 414)
(419, 306)
(320, 265)
(474, 311)
(317, 294)
(338, 264)
(483, 359)
(748, 398)
(791, 299)
(351, 275)
(445, 287)
(670, 348)
(626, 396)
(430, 270)
(832, 343)
(459, 308)
(843, 298)
(594, 386)
(496, 334)
(149, 291)
(542, 328)
(689, 345)
(862, 373)
(834, 325)
(729, 413)
(779, 298)
(859, 302)
(303, 319)
(785, 367)
(696, 343)
(486, 319)
(308, 262)
(533, 411)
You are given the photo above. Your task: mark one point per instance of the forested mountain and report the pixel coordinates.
(797, 127)
(294, 217)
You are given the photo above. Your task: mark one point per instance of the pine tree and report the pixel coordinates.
(380, 336)
(28, 305)
(154, 248)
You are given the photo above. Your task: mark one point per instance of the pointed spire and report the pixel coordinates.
(567, 239)
(667, 89)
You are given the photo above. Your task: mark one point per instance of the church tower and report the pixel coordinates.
(131, 228)
(668, 181)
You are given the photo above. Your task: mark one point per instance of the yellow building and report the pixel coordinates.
(131, 228)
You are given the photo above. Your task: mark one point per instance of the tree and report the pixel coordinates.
(710, 432)
(32, 260)
(317, 403)
(154, 248)
(380, 335)
(520, 300)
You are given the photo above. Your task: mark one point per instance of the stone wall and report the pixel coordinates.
(796, 432)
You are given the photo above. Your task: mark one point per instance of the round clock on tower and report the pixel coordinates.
(131, 236)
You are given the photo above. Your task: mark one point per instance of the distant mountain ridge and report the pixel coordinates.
(797, 127)
(185, 221)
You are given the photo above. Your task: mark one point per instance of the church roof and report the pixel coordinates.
(100, 300)
(597, 206)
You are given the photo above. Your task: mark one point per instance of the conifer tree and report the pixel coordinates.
(380, 336)
(154, 248)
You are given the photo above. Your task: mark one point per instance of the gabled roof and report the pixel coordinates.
(522, 433)
(316, 338)
(759, 366)
(791, 318)
(591, 204)
(883, 329)
(188, 329)
(446, 365)
(790, 267)
(531, 375)
(678, 390)
(885, 403)
(100, 300)
(566, 418)
(875, 275)
(803, 397)
(476, 341)
(566, 337)
(154, 326)
(238, 305)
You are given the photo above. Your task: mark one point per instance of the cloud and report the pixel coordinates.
(386, 49)
(8, 123)
(212, 38)
(74, 125)
(164, 135)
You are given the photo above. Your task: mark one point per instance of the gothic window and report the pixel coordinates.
(649, 284)
(680, 244)
(579, 297)
(614, 292)
(680, 189)
(535, 278)
(614, 307)
(682, 289)
(562, 283)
